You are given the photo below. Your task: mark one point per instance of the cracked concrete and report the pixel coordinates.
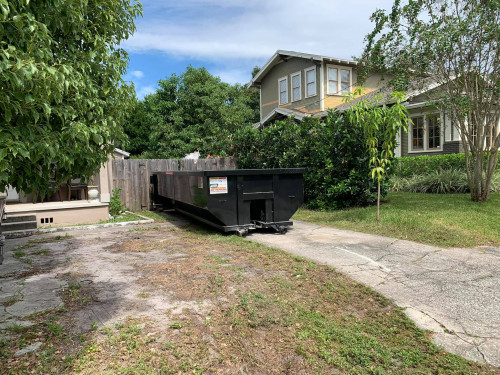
(452, 292)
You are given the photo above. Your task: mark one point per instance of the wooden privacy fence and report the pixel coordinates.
(132, 176)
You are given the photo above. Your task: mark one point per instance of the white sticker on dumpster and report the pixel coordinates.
(218, 185)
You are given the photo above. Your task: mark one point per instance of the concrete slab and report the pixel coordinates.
(452, 292)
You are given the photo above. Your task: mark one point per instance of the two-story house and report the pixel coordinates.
(300, 84)
(293, 83)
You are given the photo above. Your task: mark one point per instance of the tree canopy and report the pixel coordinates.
(63, 98)
(454, 44)
(194, 111)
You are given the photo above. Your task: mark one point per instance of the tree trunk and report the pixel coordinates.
(378, 201)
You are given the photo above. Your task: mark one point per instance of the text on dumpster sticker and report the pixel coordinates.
(218, 185)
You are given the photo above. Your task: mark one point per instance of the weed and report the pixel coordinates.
(18, 254)
(176, 325)
(54, 328)
(12, 300)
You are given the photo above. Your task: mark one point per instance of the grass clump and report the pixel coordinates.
(428, 218)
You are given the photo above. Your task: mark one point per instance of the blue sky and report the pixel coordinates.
(230, 37)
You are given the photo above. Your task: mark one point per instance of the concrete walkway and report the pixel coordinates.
(453, 292)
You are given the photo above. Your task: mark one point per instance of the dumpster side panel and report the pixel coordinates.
(289, 197)
(223, 199)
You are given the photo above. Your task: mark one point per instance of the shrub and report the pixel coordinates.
(115, 204)
(333, 151)
(421, 165)
(440, 181)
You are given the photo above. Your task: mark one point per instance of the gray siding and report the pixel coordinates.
(269, 87)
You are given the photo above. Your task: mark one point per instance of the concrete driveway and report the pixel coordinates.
(454, 293)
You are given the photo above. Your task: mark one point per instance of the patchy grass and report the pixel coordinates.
(12, 300)
(156, 216)
(253, 310)
(447, 220)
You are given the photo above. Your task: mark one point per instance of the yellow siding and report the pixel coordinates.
(332, 101)
(270, 103)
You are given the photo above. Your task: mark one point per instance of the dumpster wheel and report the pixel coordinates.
(282, 229)
(242, 232)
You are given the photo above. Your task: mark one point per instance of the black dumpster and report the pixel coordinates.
(233, 200)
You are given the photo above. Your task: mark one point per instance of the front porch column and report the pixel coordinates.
(104, 184)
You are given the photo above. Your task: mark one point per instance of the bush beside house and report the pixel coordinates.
(333, 151)
(439, 174)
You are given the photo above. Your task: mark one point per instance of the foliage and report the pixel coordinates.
(405, 167)
(334, 152)
(63, 97)
(115, 204)
(191, 112)
(138, 126)
(439, 181)
(380, 124)
(455, 44)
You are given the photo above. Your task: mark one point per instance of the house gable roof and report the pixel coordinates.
(282, 55)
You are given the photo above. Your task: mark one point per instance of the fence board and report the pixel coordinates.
(132, 176)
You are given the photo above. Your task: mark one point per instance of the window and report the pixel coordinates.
(283, 90)
(333, 80)
(425, 133)
(417, 135)
(434, 132)
(310, 82)
(339, 80)
(296, 89)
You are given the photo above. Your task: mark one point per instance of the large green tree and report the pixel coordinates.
(454, 44)
(194, 111)
(63, 98)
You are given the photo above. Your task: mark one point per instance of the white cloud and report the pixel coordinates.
(218, 30)
(236, 35)
(137, 74)
(142, 91)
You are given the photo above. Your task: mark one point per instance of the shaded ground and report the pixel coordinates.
(166, 299)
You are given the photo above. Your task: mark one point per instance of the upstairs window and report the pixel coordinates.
(417, 135)
(310, 82)
(283, 90)
(333, 80)
(434, 131)
(339, 80)
(296, 87)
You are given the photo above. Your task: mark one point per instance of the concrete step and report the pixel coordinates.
(19, 233)
(17, 219)
(22, 225)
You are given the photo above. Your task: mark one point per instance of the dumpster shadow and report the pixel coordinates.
(181, 221)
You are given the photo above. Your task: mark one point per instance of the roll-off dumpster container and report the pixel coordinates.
(233, 200)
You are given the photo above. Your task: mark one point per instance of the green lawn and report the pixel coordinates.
(446, 220)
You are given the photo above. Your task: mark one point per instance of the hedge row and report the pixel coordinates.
(409, 166)
(334, 153)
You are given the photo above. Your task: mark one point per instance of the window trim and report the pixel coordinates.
(426, 133)
(313, 68)
(339, 79)
(285, 78)
(299, 73)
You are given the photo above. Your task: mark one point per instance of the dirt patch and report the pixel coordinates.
(171, 301)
